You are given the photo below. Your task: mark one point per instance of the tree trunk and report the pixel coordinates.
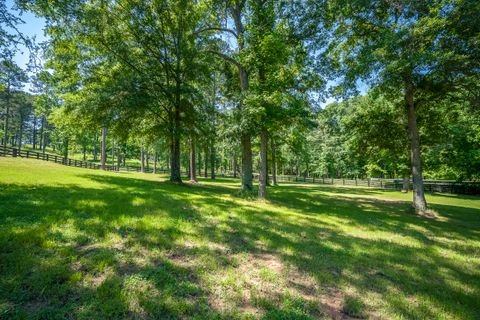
(274, 163)
(298, 168)
(419, 202)
(199, 165)
(406, 184)
(103, 159)
(65, 148)
(175, 175)
(113, 153)
(7, 118)
(155, 160)
(84, 153)
(95, 148)
(247, 163)
(262, 178)
(206, 162)
(45, 140)
(212, 161)
(234, 164)
(20, 134)
(34, 133)
(42, 124)
(142, 159)
(119, 160)
(193, 170)
(147, 159)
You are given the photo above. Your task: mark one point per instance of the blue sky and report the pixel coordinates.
(33, 27)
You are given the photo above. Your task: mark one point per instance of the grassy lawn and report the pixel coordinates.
(84, 244)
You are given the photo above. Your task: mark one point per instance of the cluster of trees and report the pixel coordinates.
(235, 85)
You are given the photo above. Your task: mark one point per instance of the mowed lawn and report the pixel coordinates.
(84, 244)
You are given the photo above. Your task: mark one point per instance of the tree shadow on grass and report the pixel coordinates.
(146, 249)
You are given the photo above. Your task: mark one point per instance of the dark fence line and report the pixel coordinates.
(29, 154)
(445, 186)
(14, 152)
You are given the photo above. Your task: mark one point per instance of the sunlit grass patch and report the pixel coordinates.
(87, 244)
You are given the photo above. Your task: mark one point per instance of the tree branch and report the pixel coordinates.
(217, 29)
(226, 57)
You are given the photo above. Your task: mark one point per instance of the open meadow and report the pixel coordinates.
(85, 244)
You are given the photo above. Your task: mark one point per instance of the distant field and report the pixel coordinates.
(85, 244)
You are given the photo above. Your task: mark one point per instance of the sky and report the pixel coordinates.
(33, 27)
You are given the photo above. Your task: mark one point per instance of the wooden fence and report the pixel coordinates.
(446, 186)
(29, 154)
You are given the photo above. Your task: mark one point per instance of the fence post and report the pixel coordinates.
(368, 181)
(356, 183)
(381, 183)
(28, 154)
(343, 180)
(14, 152)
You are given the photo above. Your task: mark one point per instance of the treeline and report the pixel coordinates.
(236, 85)
(361, 137)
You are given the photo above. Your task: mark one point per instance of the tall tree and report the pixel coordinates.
(12, 78)
(400, 46)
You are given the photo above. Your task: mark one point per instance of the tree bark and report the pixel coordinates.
(142, 159)
(113, 153)
(20, 134)
(34, 133)
(246, 141)
(103, 159)
(155, 160)
(95, 148)
(206, 162)
(84, 153)
(262, 178)
(199, 165)
(212, 160)
(235, 164)
(419, 202)
(247, 163)
(406, 184)
(42, 124)
(193, 170)
(274, 163)
(147, 160)
(45, 140)
(7, 116)
(175, 174)
(119, 160)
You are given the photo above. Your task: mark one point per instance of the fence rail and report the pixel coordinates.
(29, 154)
(445, 186)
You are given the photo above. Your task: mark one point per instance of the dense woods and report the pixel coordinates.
(238, 86)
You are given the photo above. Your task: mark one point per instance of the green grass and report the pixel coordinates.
(84, 244)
